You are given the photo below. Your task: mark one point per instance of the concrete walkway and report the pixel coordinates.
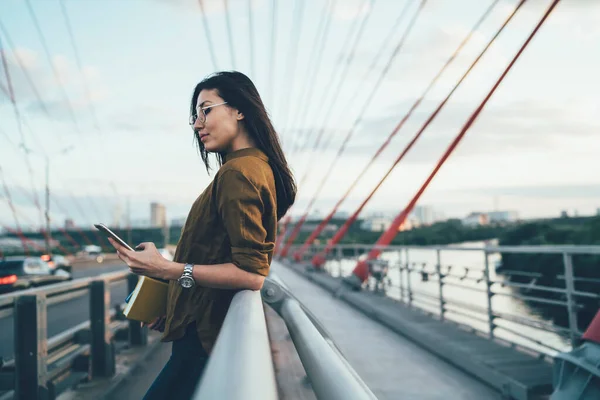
(391, 365)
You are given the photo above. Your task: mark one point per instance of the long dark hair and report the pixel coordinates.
(240, 93)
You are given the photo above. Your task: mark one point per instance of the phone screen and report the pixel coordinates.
(103, 228)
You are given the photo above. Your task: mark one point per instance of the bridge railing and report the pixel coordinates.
(44, 367)
(241, 366)
(445, 295)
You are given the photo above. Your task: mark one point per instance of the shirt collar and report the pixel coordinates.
(250, 151)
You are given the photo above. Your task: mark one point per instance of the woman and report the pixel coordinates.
(228, 238)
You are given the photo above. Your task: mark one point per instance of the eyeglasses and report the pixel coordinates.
(201, 113)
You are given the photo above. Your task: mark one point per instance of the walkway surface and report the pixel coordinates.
(391, 365)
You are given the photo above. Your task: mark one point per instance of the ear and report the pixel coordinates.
(239, 116)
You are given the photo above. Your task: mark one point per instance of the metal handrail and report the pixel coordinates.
(242, 354)
(445, 276)
(331, 376)
(546, 249)
(64, 355)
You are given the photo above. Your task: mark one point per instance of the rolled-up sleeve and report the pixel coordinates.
(241, 209)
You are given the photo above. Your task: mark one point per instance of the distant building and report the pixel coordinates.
(475, 219)
(311, 226)
(424, 215)
(69, 224)
(178, 221)
(408, 224)
(346, 214)
(158, 215)
(564, 214)
(141, 223)
(502, 216)
(376, 224)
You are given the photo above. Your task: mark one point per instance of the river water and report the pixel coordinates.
(471, 298)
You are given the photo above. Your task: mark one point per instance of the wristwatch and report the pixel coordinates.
(187, 280)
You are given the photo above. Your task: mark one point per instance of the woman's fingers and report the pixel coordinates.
(158, 324)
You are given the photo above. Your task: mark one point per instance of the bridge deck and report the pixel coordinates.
(391, 365)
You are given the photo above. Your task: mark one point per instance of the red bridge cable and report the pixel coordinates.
(305, 111)
(271, 76)
(319, 43)
(347, 63)
(20, 128)
(384, 72)
(86, 87)
(375, 60)
(287, 96)
(229, 33)
(211, 50)
(49, 58)
(342, 231)
(361, 270)
(12, 209)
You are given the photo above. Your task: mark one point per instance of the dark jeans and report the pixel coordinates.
(181, 374)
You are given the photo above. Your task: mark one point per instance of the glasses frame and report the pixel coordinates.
(194, 117)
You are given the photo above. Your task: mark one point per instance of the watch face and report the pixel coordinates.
(186, 282)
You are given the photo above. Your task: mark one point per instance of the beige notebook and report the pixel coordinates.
(147, 301)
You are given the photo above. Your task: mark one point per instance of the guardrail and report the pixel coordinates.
(242, 353)
(44, 367)
(240, 365)
(485, 317)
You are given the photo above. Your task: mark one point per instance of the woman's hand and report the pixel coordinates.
(158, 324)
(148, 261)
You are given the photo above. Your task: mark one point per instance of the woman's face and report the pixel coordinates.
(221, 130)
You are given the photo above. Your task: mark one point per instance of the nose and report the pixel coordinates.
(198, 125)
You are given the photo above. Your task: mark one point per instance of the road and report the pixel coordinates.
(65, 315)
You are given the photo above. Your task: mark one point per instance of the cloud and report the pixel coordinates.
(146, 118)
(351, 9)
(24, 65)
(210, 6)
(542, 191)
(514, 127)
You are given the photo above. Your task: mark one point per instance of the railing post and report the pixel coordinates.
(31, 347)
(138, 336)
(489, 293)
(401, 276)
(408, 286)
(340, 256)
(438, 268)
(570, 287)
(103, 359)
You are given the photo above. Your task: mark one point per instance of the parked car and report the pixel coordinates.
(21, 272)
(56, 261)
(94, 252)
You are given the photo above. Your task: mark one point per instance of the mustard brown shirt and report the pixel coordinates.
(233, 221)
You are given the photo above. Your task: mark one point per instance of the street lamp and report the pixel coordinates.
(48, 232)
(64, 151)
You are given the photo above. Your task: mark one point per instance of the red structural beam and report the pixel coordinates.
(361, 271)
(357, 121)
(318, 260)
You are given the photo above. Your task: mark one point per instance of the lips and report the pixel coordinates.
(203, 135)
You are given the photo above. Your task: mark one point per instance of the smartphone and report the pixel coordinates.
(108, 232)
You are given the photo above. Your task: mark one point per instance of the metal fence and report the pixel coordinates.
(448, 285)
(44, 367)
(241, 366)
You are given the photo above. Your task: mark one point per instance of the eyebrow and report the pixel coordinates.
(202, 104)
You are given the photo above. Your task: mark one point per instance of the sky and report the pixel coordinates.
(116, 95)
